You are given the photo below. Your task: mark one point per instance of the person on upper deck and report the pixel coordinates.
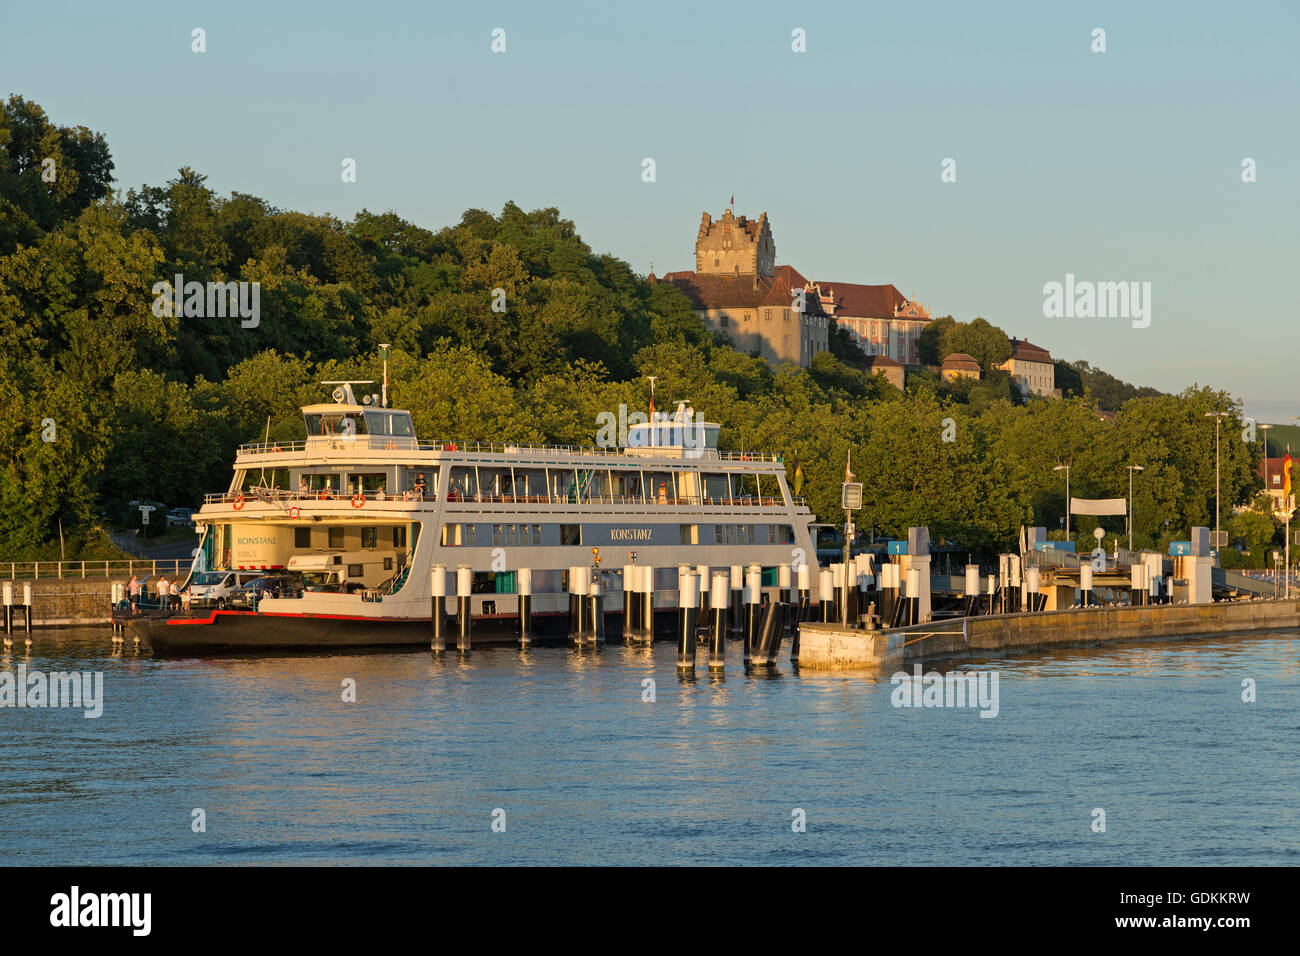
(419, 486)
(302, 486)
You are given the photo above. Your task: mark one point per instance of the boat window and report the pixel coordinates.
(302, 537)
(570, 534)
(717, 486)
(464, 482)
(400, 425)
(336, 538)
(561, 481)
(335, 424)
(369, 537)
(457, 535)
(399, 537)
(531, 482)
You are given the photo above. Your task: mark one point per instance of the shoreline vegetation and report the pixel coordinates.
(505, 327)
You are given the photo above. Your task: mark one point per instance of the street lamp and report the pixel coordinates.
(1218, 417)
(1267, 487)
(1131, 469)
(1066, 469)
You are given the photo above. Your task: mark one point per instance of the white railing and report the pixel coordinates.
(395, 443)
(92, 569)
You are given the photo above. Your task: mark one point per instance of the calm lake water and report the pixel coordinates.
(710, 772)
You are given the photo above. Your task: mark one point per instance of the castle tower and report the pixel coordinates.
(735, 246)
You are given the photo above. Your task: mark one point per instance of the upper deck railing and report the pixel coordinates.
(395, 443)
(283, 498)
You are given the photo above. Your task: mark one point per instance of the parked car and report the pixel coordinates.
(278, 585)
(213, 588)
(181, 516)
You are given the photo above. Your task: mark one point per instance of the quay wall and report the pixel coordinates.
(831, 647)
(68, 602)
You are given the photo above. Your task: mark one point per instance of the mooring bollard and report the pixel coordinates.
(826, 595)
(687, 620)
(27, 610)
(805, 591)
(718, 638)
(705, 574)
(524, 586)
(972, 588)
(737, 599)
(464, 617)
(1085, 584)
(595, 611)
(783, 582)
(7, 595)
(631, 606)
(648, 604)
(1031, 588)
(438, 610)
(992, 594)
(769, 638)
(753, 607)
(574, 603)
(581, 583)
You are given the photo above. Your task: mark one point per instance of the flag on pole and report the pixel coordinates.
(798, 477)
(1286, 476)
(733, 199)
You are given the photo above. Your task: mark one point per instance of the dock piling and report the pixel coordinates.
(753, 607)
(737, 598)
(595, 611)
(464, 617)
(524, 578)
(718, 637)
(438, 611)
(688, 597)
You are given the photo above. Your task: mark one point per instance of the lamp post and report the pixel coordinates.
(1264, 429)
(1066, 469)
(1131, 469)
(1218, 417)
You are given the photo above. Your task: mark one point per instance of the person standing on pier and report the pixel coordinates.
(133, 592)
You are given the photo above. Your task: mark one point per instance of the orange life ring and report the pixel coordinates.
(294, 512)
(238, 502)
(276, 448)
(451, 447)
(358, 500)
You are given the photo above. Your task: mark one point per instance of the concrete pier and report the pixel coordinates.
(828, 646)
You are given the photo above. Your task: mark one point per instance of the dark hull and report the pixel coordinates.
(225, 632)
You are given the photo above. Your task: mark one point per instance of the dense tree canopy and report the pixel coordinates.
(502, 326)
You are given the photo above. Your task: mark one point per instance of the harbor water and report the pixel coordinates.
(606, 756)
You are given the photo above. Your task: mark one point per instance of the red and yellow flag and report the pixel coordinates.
(1286, 476)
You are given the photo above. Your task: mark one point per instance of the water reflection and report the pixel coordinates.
(705, 769)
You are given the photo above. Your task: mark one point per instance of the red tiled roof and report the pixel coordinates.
(744, 291)
(877, 362)
(857, 301)
(1025, 351)
(960, 360)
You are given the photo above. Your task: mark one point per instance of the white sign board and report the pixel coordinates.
(851, 495)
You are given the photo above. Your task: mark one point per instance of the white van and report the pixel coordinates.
(212, 588)
(343, 571)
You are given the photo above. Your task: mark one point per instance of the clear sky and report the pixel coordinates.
(1116, 166)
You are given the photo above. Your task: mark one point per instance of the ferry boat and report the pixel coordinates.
(361, 512)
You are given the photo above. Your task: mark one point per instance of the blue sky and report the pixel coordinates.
(1117, 166)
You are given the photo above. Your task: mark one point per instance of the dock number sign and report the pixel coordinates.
(851, 495)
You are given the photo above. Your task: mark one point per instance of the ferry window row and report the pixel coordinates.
(463, 535)
(335, 537)
(515, 485)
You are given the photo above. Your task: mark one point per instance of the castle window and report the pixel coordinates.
(715, 263)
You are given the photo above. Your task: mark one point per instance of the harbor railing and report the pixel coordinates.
(93, 569)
